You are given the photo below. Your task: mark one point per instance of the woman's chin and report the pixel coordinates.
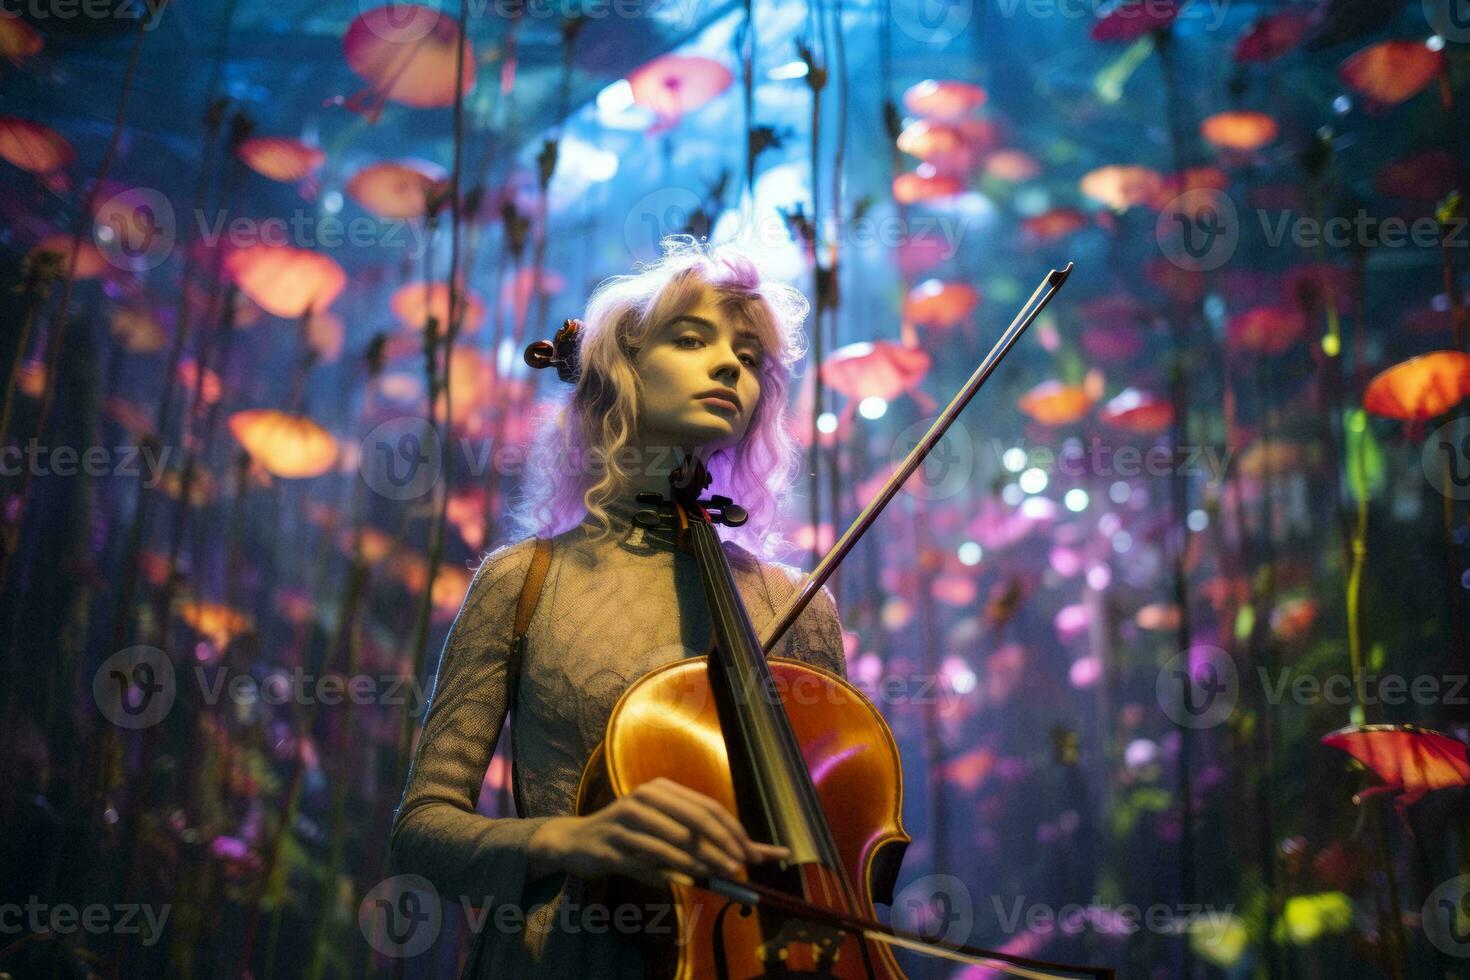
(724, 440)
(706, 436)
(710, 437)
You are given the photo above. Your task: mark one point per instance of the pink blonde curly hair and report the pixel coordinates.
(598, 420)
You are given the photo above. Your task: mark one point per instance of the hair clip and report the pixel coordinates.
(563, 352)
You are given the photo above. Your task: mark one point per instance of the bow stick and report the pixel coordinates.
(819, 575)
(752, 894)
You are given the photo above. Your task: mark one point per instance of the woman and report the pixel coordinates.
(692, 353)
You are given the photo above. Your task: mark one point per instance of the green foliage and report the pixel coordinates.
(1364, 457)
(1143, 799)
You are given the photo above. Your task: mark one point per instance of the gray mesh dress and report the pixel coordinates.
(609, 612)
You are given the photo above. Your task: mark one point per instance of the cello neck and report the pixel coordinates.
(764, 752)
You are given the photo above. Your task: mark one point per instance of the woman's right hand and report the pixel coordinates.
(661, 825)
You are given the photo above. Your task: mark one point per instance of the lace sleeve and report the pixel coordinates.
(436, 831)
(816, 636)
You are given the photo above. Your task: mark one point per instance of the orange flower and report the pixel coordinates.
(1138, 411)
(673, 85)
(1411, 761)
(944, 100)
(1121, 186)
(285, 445)
(1055, 403)
(1054, 224)
(395, 188)
(91, 263)
(406, 53)
(880, 368)
(1420, 388)
(1239, 129)
(1264, 330)
(415, 302)
(925, 184)
(933, 303)
(32, 147)
(286, 281)
(1392, 71)
(280, 158)
(218, 623)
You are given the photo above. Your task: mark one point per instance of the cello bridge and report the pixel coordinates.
(825, 944)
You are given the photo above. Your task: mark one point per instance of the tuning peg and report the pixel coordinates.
(649, 520)
(730, 513)
(540, 354)
(649, 497)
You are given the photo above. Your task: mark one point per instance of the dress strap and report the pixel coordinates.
(531, 590)
(525, 608)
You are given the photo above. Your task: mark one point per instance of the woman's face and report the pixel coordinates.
(682, 363)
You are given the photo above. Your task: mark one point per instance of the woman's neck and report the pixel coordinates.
(652, 466)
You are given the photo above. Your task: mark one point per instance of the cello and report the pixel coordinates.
(799, 754)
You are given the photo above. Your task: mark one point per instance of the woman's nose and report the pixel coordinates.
(728, 365)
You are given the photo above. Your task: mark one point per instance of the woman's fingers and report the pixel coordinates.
(717, 811)
(650, 819)
(662, 854)
(699, 824)
(771, 852)
(701, 814)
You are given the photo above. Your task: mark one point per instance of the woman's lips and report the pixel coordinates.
(714, 401)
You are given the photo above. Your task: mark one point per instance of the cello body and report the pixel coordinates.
(668, 724)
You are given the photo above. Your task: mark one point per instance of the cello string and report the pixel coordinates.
(706, 543)
(832, 883)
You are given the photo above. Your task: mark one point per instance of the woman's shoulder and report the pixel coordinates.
(502, 569)
(508, 556)
(781, 579)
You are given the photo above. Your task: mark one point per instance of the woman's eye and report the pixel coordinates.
(691, 342)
